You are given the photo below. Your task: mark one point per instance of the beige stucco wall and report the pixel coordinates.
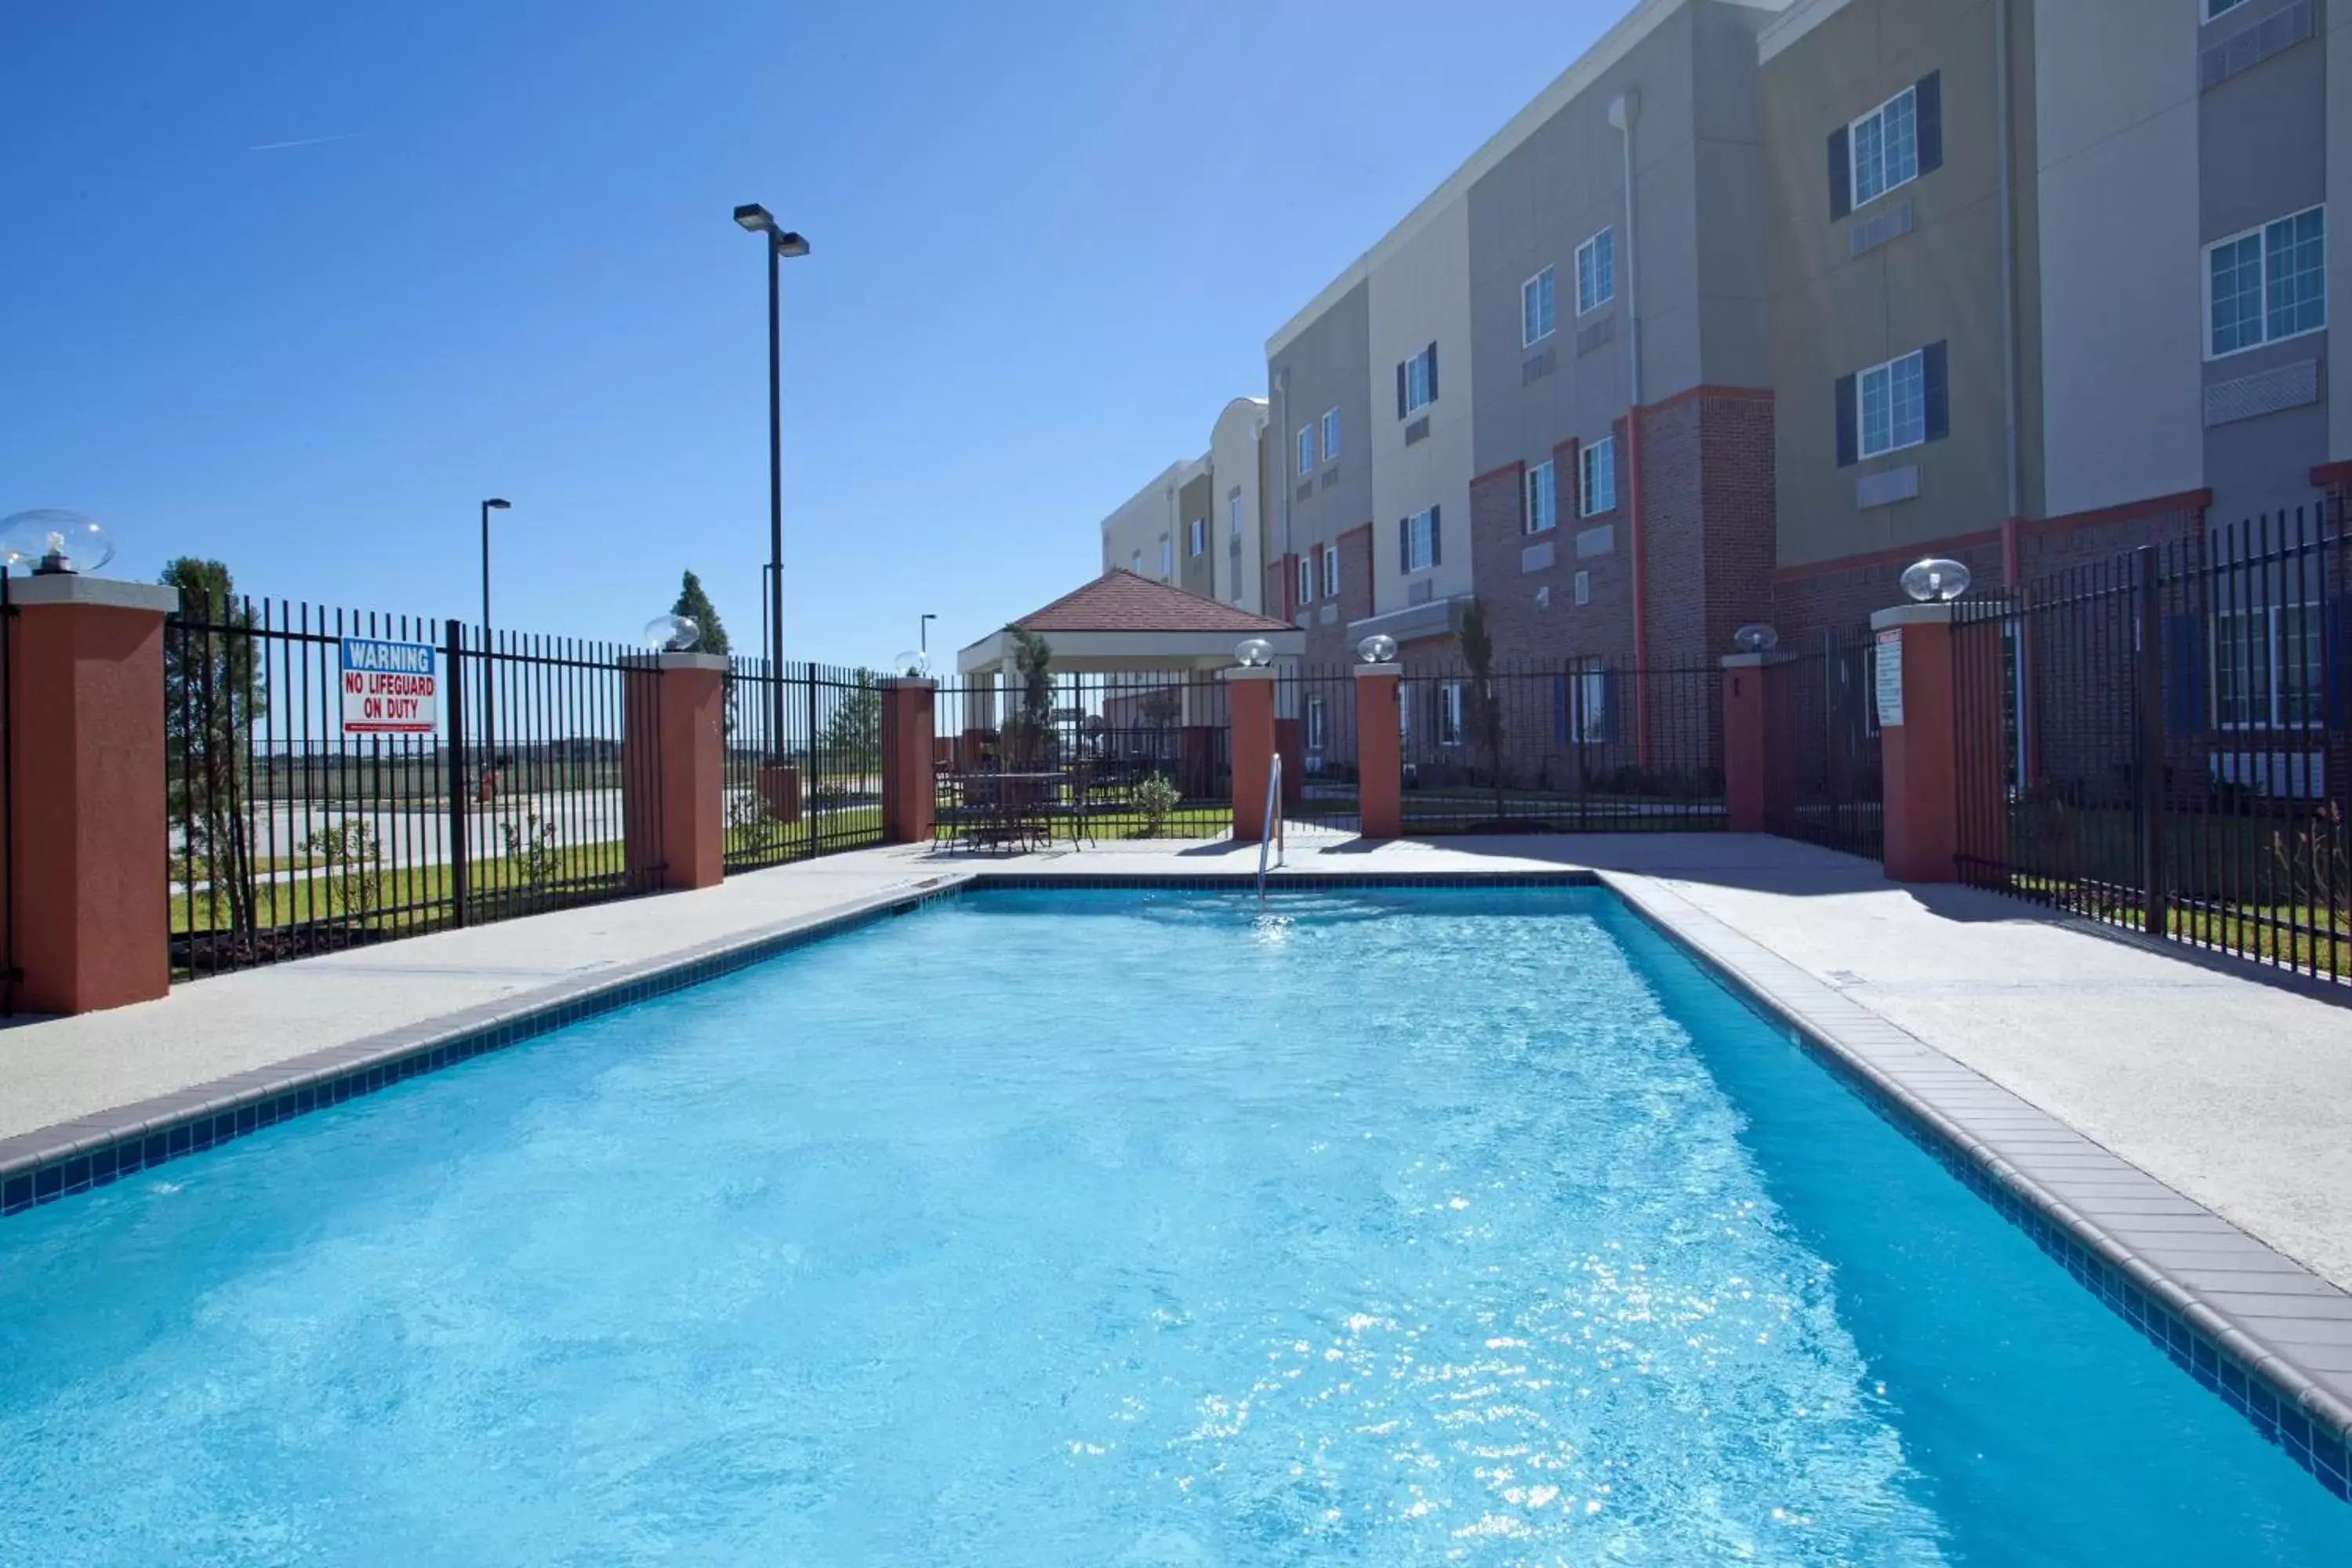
(1234, 443)
(1147, 517)
(1420, 294)
(2122, 297)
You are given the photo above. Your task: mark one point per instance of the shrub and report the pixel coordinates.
(1157, 797)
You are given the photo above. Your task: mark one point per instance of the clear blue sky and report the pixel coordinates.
(1051, 240)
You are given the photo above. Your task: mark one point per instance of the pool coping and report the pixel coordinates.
(2183, 1276)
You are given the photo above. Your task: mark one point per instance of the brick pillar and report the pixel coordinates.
(1916, 741)
(1251, 708)
(1379, 759)
(673, 770)
(1747, 765)
(910, 792)
(86, 705)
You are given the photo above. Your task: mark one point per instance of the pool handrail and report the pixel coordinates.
(1270, 825)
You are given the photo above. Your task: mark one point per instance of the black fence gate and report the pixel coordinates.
(1587, 745)
(1823, 745)
(299, 821)
(803, 768)
(2164, 740)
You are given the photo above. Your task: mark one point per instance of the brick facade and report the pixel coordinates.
(1706, 520)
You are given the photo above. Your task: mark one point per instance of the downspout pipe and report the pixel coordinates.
(1285, 452)
(1622, 114)
(2007, 252)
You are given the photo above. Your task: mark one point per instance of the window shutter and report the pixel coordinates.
(1930, 127)
(1936, 387)
(1840, 176)
(2337, 653)
(1849, 439)
(1436, 539)
(1400, 389)
(1433, 372)
(2184, 674)
(1404, 544)
(1570, 490)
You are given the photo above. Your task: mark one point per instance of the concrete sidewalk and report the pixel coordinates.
(2233, 1092)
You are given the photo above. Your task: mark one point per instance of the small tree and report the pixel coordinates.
(351, 856)
(1482, 704)
(853, 736)
(1157, 798)
(214, 693)
(695, 606)
(1029, 732)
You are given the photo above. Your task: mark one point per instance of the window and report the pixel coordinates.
(1420, 545)
(1234, 513)
(1592, 705)
(1598, 490)
(1136, 564)
(2268, 665)
(1584, 587)
(1167, 556)
(1331, 435)
(2267, 284)
(1449, 713)
(1417, 381)
(1543, 502)
(1305, 448)
(1307, 579)
(1536, 308)
(1886, 146)
(1892, 404)
(1330, 570)
(1196, 537)
(1314, 732)
(1596, 271)
(2216, 8)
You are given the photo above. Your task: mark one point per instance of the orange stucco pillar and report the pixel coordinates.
(910, 793)
(1915, 716)
(1379, 758)
(673, 770)
(86, 709)
(1746, 761)
(1250, 709)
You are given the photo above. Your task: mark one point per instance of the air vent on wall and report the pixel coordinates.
(1537, 367)
(1871, 233)
(2266, 391)
(1603, 331)
(1417, 593)
(1417, 431)
(1306, 490)
(1330, 478)
(2244, 50)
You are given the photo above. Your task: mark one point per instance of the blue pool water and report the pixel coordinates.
(1109, 1228)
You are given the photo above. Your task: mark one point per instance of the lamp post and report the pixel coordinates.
(925, 634)
(781, 242)
(490, 748)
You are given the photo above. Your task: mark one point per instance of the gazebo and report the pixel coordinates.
(1145, 657)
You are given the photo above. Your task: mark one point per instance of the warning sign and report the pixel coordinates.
(389, 688)
(1890, 678)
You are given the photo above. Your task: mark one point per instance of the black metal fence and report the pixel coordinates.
(1827, 785)
(1588, 745)
(1082, 757)
(804, 761)
(8, 972)
(2164, 740)
(1315, 728)
(335, 778)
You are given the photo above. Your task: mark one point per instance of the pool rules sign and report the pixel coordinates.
(391, 687)
(1890, 678)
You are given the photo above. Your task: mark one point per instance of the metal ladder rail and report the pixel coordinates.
(1270, 832)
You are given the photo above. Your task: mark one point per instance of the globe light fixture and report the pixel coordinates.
(913, 664)
(1254, 653)
(1378, 648)
(1757, 638)
(1936, 581)
(47, 541)
(672, 634)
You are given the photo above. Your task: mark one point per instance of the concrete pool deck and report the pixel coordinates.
(2182, 1116)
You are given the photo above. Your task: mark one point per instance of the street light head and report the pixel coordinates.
(497, 505)
(49, 541)
(755, 217)
(789, 245)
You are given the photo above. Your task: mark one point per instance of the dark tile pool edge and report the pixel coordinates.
(59, 1161)
(2288, 1404)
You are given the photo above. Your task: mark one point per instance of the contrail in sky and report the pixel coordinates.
(306, 142)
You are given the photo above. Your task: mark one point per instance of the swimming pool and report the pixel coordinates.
(1110, 1227)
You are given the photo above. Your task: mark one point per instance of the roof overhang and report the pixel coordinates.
(1131, 651)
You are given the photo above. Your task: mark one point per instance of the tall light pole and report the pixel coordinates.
(781, 242)
(925, 633)
(490, 748)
